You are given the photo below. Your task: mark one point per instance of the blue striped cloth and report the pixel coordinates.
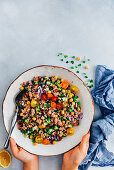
(103, 96)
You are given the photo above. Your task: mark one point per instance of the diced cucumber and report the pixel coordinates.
(26, 135)
(64, 135)
(69, 125)
(46, 78)
(38, 108)
(26, 120)
(58, 81)
(50, 131)
(56, 127)
(48, 82)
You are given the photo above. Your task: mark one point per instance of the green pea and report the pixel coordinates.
(59, 101)
(58, 111)
(78, 103)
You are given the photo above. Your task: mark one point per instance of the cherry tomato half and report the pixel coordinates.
(49, 95)
(45, 142)
(59, 106)
(53, 104)
(43, 96)
(70, 131)
(54, 98)
(38, 139)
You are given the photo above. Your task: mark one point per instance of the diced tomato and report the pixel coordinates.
(27, 94)
(75, 124)
(64, 84)
(54, 98)
(53, 104)
(45, 142)
(36, 85)
(49, 95)
(55, 90)
(59, 106)
(43, 96)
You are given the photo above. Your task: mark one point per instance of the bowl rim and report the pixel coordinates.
(53, 66)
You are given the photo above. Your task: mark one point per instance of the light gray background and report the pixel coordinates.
(32, 32)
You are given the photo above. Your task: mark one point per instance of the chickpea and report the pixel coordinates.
(21, 114)
(34, 118)
(73, 103)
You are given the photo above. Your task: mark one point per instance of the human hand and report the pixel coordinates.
(73, 158)
(30, 160)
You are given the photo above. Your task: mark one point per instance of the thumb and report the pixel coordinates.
(13, 147)
(85, 143)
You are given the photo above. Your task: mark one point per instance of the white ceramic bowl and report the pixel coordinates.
(65, 144)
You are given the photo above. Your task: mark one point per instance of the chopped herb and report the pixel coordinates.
(60, 117)
(59, 54)
(76, 97)
(76, 66)
(21, 106)
(65, 56)
(85, 73)
(77, 71)
(79, 65)
(90, 86)
(72, 62)
(67, 61)
(91, 81)
(41, 83)
(73, 56)
(88, 59)
(72, 67)
(84, 61)
(61, 59)
(22, 131)
(47, 105)
(50, 88)
(86, 77)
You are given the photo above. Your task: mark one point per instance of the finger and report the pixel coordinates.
(13, 147)
(86, 137)
(85, 142)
